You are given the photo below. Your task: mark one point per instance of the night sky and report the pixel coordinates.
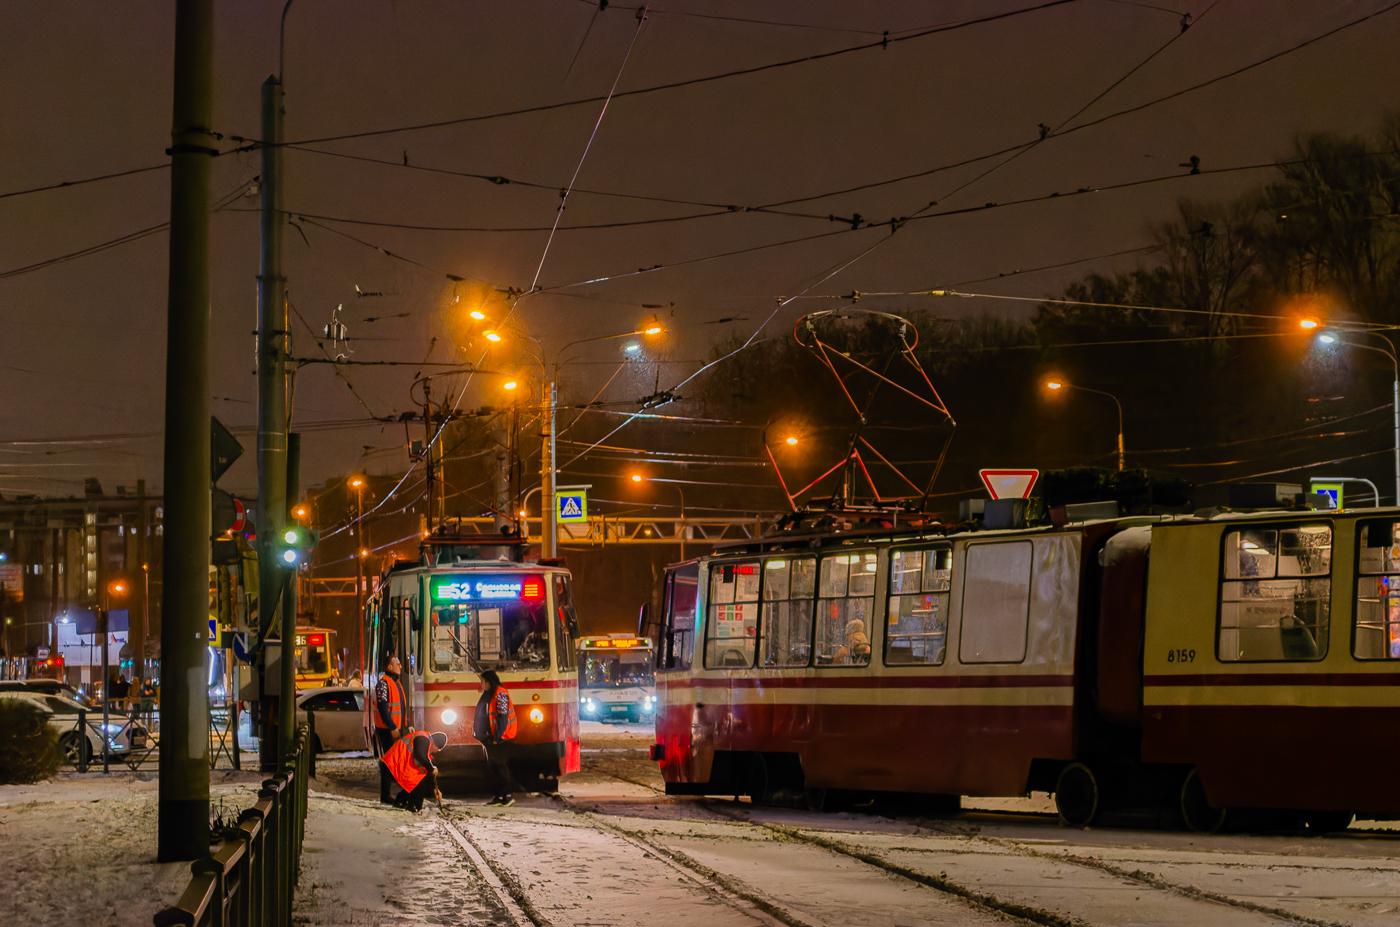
(85, 90)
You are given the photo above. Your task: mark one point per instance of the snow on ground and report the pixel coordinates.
(81, 849)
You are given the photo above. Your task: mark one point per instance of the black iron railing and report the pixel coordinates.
(250, 875)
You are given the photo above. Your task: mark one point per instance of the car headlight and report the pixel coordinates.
(536, 715)
(112, 728)
(449, 716)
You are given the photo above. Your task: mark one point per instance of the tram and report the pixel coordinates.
(315, 653)
(470, 603)
(616, 683)
(1245, 660)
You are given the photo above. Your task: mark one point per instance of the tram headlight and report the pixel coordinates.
(536, 716)
(449, 716)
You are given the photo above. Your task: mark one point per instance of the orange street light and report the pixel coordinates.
(364, 552)
(509, 384)
(492, 336)
(477, 314)
(356, 482)
(636, 477)
(791, 441)
(1054, 384)
(1308, 323)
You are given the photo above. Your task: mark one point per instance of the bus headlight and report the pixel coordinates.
(536, 715)
(449, 716)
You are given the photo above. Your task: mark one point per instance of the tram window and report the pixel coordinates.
(1275, 595)
(995, 603)
(787, 611)
(1378, 592)
(507, 636)
(566, 625)
(733, 625)
(678, 628)
(920, 583)
(845, 607)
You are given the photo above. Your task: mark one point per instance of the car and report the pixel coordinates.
(122, 736)
(50, 687)
(340, 717)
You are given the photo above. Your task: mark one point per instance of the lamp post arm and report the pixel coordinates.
(1389, 353)
(1119, 406)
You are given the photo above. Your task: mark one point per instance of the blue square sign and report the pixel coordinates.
(572, 506)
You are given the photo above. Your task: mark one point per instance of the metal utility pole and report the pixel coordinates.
(549, 531)
(287, 707)
(183, 831)
(272, 400)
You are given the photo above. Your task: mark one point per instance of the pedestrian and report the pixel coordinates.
(390, 718)
(333, 680)
(494, 726)
(117, 691)
(357, 680)
(147, 693)
(409, 762)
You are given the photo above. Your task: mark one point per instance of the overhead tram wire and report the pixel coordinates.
(65, 184)
(641, 21)
(756, 69)
(219, 205)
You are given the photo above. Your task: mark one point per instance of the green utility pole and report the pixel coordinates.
(184, 696)
(272, 406)
(287, 708)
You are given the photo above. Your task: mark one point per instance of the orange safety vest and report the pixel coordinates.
(399, 758)
(395, 691)
(510, 717)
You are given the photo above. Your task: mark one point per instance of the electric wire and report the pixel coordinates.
(86, 180)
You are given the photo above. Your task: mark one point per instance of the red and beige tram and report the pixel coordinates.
(1191, 664)
(472, 602)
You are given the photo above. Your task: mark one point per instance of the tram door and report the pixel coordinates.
(404, 627)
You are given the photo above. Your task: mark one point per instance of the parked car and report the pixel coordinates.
(49, 687)
(122, 736)
(340, 717)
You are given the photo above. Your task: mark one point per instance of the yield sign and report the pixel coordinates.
(1009, 484)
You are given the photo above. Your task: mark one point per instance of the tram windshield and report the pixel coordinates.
(498, 623)
(618, 669)
(313, 653)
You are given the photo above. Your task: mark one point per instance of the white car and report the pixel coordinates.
(122, 736)
(340, 717)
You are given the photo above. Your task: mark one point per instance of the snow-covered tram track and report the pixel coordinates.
(1041, 891)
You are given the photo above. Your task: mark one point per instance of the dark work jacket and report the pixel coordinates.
(421, 754)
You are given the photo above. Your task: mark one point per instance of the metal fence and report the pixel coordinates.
(248, 879)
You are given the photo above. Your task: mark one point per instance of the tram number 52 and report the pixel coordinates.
(1181, 656)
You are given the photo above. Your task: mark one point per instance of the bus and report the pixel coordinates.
(315, 654)
(472, 603)
(616, 682)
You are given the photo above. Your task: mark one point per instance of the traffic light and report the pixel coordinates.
(295, 545)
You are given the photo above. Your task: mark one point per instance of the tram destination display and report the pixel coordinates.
(486, 588)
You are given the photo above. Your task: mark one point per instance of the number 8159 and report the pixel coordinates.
(1181, 656)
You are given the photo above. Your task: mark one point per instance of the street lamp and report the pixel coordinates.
(549, 531)
(357, 482)
(638, 478)
(1058, 383)
(1329, 337)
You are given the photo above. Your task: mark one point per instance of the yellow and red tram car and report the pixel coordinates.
(459, 610)
(1196, 664)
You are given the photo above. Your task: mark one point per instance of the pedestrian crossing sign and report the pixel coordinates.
(573, 506)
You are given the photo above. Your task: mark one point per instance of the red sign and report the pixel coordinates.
(240, 518)
(1009, 484)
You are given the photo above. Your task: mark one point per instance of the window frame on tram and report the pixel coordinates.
(771, 604)
(942, 597)
(1321, 637)
(984, 619)
(675, 645)
(748, 566)
(759, 648)
(1391, 577)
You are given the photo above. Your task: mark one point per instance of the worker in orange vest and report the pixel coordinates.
(494, 726)
(390, 718)
(412, 767)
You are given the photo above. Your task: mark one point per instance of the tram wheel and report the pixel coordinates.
(1197, 813)
(1077, 795)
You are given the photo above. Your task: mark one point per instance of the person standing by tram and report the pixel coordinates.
(390, 719)
(494, 726)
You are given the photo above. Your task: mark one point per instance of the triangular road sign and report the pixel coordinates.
(1009, 484)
